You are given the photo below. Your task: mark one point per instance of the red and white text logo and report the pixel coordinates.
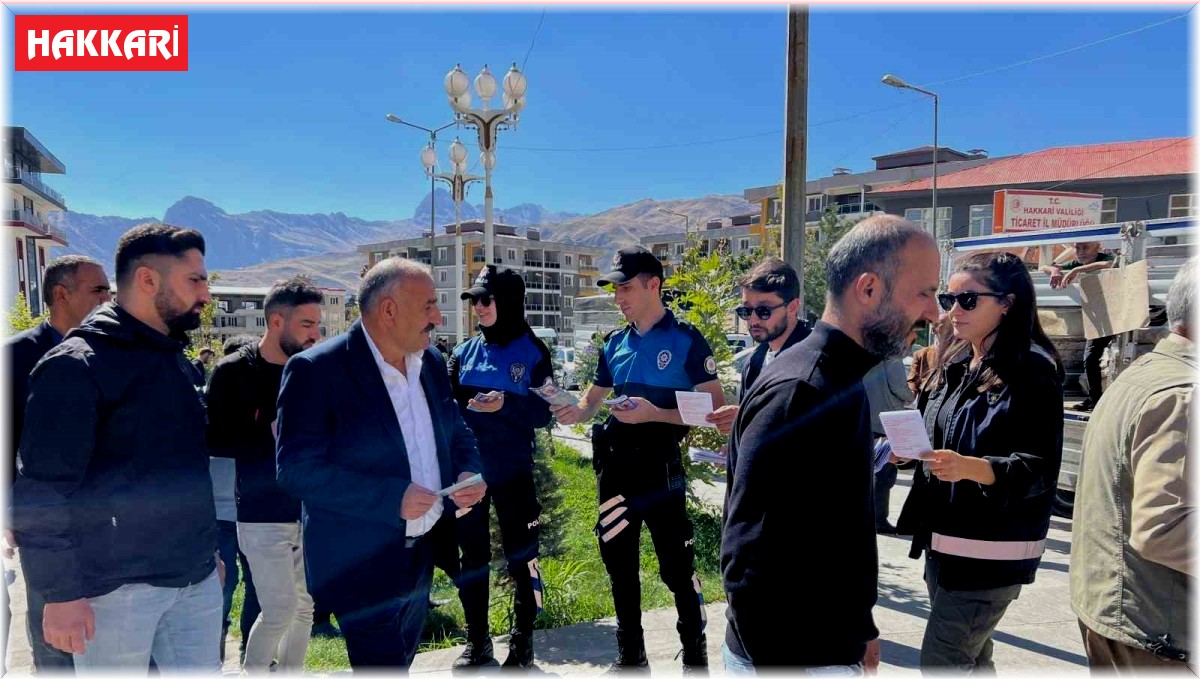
(101, 42)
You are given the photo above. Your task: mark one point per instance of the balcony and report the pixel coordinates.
(531, 263)
(31, 219)
(478, 259)
(34, 181)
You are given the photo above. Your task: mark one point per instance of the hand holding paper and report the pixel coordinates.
(906, 434)
(694, 408)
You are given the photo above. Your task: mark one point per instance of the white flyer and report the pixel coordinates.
(694, 406)
(906, 432)
(472, 480)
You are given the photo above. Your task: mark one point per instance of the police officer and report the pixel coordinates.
(504, 361)
(636, 452)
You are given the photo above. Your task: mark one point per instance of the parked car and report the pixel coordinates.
(566, 371)
(739, 341)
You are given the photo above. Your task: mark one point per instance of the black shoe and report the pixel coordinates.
(520, 651)
(885, 528)
(695, 656)
(326, 630)
(476, 654)
(631, 654)
(1084, 406)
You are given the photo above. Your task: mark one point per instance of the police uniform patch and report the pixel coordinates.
(664, 359)
(993, 398)
(516, 371)
(710, 364)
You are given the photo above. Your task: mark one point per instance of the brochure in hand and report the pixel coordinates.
(554, 395)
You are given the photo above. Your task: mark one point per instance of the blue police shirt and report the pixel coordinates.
(672, 356)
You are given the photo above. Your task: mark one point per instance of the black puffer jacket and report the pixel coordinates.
(113, 486)
(1018, 428)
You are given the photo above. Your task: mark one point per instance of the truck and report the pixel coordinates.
(1164, 244)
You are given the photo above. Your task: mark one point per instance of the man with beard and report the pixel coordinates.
(241, 425)
(770, 306)
(806, 421)
(114, 506)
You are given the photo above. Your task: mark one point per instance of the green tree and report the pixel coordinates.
(816, 250)
(705, 289)
(203, 337)
(19, 318)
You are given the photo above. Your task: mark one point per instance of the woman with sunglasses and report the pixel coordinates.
(979, 508)
(493, 374)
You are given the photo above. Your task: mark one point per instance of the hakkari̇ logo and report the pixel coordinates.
(101, 42)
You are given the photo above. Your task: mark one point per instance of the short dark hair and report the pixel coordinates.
(206, 350)
(62, 272)
(871, 246)
(237, 342)
(146, 240)
(773, 275)
(287, 295)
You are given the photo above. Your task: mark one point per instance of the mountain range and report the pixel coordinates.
(260, 247)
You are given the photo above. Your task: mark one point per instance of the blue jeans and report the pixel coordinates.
(734, 663)
(737, 665)
(180, 626)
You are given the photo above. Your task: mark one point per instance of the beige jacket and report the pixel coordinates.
(1131, 563)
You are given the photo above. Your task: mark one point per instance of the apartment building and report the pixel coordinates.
(555, 273)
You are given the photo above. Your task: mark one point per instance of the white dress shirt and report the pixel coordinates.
(416, 424)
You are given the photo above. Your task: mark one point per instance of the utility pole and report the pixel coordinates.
(796, 129)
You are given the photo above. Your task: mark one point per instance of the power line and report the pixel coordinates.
(534, 41)
(1062, 52)
(1123, 162)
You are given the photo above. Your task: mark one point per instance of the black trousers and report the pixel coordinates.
(386, 633)
(885, 479)
(619, 529)
(1092, 351)
(517, 511)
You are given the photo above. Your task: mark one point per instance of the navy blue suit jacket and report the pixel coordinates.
(341, 451)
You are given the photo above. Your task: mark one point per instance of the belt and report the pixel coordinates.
(987, 549)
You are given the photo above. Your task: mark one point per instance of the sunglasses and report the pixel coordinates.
(966, 300)
(763, 312)
(482, 300)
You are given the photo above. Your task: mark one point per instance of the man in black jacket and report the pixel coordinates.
(114, 507)
(770, 306)
(241, 424)
(72, 287)
(882, 278)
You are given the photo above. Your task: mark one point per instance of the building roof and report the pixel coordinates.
(1124, 160)
(28, 145)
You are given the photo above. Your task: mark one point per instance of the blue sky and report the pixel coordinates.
(284, 109)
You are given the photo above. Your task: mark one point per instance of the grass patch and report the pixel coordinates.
(575, 585)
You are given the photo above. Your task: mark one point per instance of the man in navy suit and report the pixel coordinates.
(71, 287)
(368, 432)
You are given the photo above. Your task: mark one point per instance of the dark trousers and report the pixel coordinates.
(619, 531)
(386, 634)
(885, 479)
(1092, 351)
(517, 511)
(46, 658)
(958, 634)
(1107, 655)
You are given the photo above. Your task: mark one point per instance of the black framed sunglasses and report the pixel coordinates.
(966, 300)
(482, 300)
(763, 312)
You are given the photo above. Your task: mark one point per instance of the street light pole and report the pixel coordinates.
(687, 221)
(458, 182)
(429, 160)
(487, 123)
(898, 83)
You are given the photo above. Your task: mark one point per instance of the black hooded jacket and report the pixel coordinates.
(113, 486)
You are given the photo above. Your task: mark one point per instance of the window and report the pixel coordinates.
(260, 322)
(924, 217)
(814, 204)
(223, 304)
(679, 248)
(569, 281)
(442, 276)
(1108, 211)
(512, 255)
(248, 304)
(981, 220)
(1182, 205)
(567, 259)
(744, 244)
(445, 300)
